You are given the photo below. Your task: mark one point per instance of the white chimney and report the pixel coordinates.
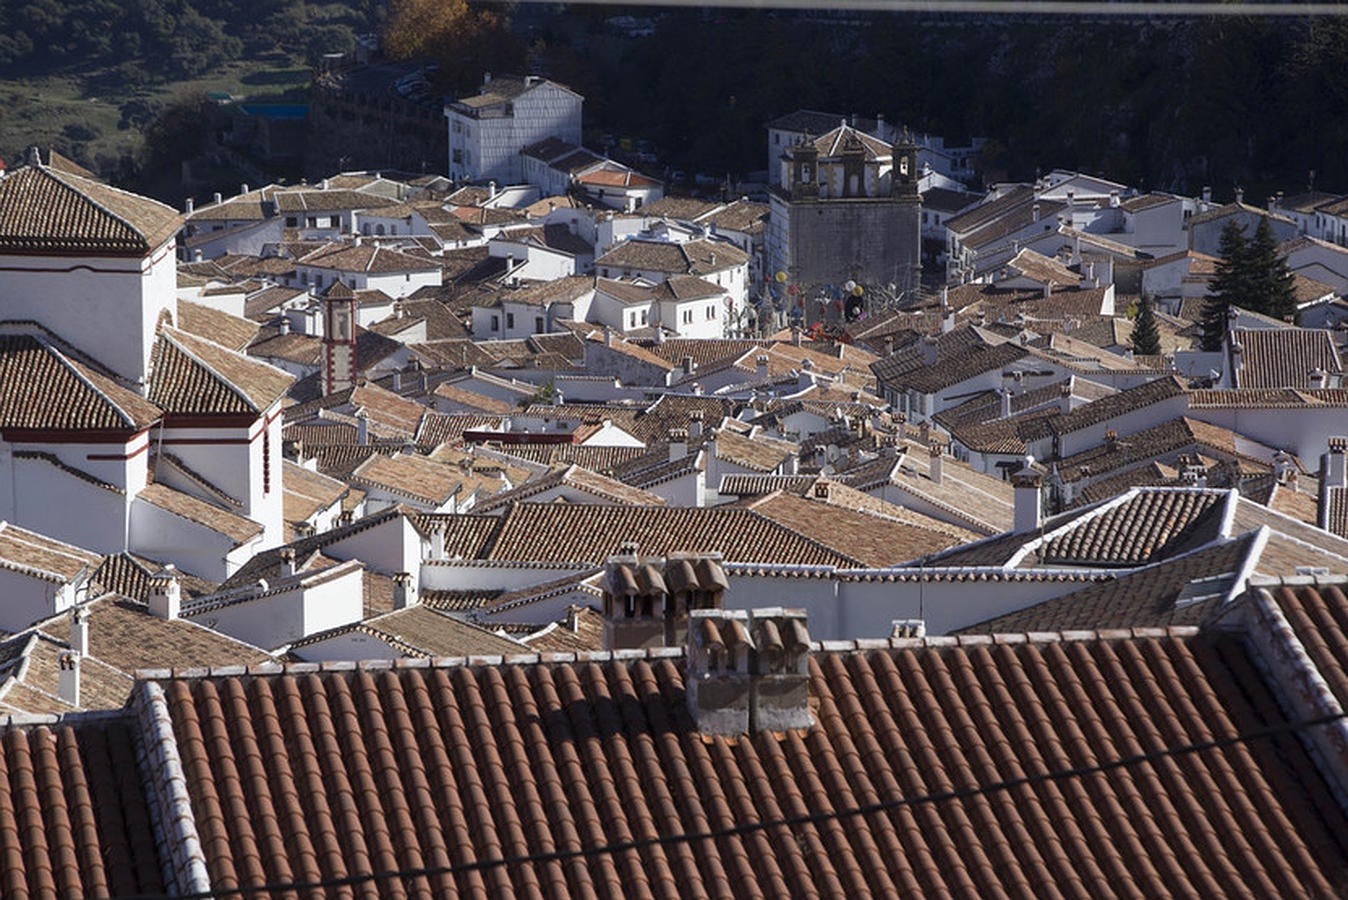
(362, 427)
(1335, 468)
(1027, 483)
(934, 470)
(695, 423)
(438, 542)
(760, 367)
(217, 198)
(68, 684)
(929, 345)
(79, 630)
(165, 593)
(1005, 395)
(189, 205)
(1318, 378)
(678, 443)
(283, 326)
(404, 591)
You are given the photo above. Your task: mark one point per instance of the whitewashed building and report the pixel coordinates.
(487, 132)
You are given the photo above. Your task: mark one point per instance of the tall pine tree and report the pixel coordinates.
(1272, 292)
(1230, 286)
(1146, 339)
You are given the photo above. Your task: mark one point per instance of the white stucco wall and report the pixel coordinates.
(106, 306)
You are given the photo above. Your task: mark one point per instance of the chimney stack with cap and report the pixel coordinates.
(1027, 484)
(718, 684)
(695, 423)
(779, 691)
(68, 683)
(1334, 470)
(634, 602)
(404, 591)
(678, 443)
(79, 630)
(934, 468)
(165, 593)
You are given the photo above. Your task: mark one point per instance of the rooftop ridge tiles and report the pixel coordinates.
(1269, 581)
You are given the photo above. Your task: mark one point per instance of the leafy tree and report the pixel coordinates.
(1230, 286)
(1272, 291)
(466, 39)
(1146, 339)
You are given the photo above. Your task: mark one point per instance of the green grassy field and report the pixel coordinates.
(98, 122)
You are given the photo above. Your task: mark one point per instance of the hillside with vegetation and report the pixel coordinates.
(1166, 104)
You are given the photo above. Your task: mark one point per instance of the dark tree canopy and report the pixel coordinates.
(1146, 337)
(1230, 286)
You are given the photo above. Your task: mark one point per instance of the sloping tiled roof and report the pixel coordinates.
(90, 816)
(1147, 526)
(46, 211)
(933, 768)
(41, 387)
(691, 258)
(550, 532)
(192, 375)
(43, 557)
(210, 324)
(1284, 357)
(1146, 598)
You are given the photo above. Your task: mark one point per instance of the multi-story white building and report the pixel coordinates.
(487, 132)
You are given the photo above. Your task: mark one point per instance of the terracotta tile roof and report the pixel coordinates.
(1317, 614)
(420, 632)
(44, 210)
(1114, 405)
(760, 453)
(701, 257)
(229, 331)
(561, 290)
(299, 200)
(842, 137)
(602, 488)
(192, 376)
(68, 783)
(875, 540)
(1268, 398)
(409, 475)
(1285, 357)
(43, 557)
(549, 532)
(42, 387)
(305, 349)
(613, 176)
(1145, 527)
(479, 404)
(369, 258)
(1170, 437)
(1005, 436)
(599, 459)
(1187, 590)
(448, 428)
(129, 576)
(461, 600)
(925, 734)
(235, 527)
(34, 687)
(687, 209)
(951, 370)
(389, 414)
(581, 631)
(742, 215)
(307, 492)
